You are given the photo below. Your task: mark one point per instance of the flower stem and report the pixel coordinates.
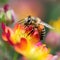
(15, 56)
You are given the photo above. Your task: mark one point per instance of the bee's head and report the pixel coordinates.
(28, 20)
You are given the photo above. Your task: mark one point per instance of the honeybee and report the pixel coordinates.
(37, 23)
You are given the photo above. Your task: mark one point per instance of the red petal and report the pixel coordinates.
(29, 28)
(4, 37)
(22, 45)
(3, 26)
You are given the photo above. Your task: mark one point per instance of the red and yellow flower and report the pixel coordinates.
(27, 45)
(18, 36)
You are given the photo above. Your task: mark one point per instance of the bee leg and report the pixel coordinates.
(26, 26)
(42, 34)
(31, 32)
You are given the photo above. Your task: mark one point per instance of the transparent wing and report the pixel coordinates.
(21, 21)
(46, 25)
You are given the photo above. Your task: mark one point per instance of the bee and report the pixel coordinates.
(37, 23)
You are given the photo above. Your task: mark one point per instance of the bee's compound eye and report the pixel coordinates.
(28, 21)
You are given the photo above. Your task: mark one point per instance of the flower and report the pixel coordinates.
(56, 25)
(28, 45)
(18, 37)
(53, 39)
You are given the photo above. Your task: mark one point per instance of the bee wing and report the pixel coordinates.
(46, 25)
(21, 21)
